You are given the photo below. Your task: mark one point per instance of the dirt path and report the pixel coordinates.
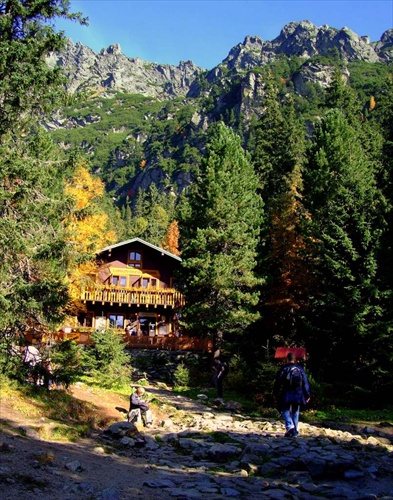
(33, 467)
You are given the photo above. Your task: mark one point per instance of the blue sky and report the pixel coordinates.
(204, 31)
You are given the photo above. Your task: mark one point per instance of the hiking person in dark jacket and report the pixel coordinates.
(291, 390)
(220, 371)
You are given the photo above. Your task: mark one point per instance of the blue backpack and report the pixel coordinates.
(293, 378)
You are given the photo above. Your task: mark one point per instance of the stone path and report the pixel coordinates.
(202, 450)
(197, 449)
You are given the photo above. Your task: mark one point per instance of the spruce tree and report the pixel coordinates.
(344, 226)
(28, 86)
(380, 348)
(32, 203)
(32, 236)
(270, 144)
(219, 229)
(279, 155)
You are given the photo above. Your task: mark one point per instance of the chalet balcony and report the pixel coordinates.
(166, 297)
(83, 335)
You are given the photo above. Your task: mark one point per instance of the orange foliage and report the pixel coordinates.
(372, 103)
(171, 240)
(87, 228)
(294, 280)
(143, 164)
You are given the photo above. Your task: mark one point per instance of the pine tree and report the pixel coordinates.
(28, 86)
(219, 230)
(32, 238)
(345, 224)
(32, 173)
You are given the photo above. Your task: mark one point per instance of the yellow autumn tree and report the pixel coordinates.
(88, 227)
(171, 240)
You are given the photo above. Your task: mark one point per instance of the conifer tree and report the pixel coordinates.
(380, 348)
(270, 145)
(32, 238)
(28, 86)
(346, 219)
(285, 296)
(32, 202)
(279, 154)
(219, 230)
(171, 240)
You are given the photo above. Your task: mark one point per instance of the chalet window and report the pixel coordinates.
(116, 321)
(134, 259)
(119, 280)
(149, 283)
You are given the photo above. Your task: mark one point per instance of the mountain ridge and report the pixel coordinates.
(120, 130)
(111, 69)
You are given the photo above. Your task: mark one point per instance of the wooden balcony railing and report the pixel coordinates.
(83, 336)
(167, 297)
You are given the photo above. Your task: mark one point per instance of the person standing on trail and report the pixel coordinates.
(291, 391)
(220, 371)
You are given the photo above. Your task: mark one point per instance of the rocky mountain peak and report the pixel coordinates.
(304, 39)
(112, 69)
(114, 49)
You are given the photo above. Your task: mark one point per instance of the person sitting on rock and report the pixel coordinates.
(137, 402)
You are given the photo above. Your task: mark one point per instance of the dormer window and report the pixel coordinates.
(135, 259)
(119, 281)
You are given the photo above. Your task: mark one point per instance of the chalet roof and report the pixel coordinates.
(143, 242)
(114, 263)
(282, 352)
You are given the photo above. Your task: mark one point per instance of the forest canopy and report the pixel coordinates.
(282, 218)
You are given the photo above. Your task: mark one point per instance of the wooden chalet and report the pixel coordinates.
(133, 291)
(134, 286)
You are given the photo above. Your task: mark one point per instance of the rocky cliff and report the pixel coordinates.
(111, 69)
(235, 86)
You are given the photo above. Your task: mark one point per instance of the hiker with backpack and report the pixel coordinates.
(291, 391)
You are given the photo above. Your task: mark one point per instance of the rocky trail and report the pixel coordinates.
(194, 449)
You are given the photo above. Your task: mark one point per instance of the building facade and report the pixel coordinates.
(133, 290)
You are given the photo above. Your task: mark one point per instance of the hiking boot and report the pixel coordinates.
(290, 433)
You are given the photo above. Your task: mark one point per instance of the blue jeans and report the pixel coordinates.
(291, 416)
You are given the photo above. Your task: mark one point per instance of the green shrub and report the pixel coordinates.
(107, 361)
(182, 376)
(66, 361)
